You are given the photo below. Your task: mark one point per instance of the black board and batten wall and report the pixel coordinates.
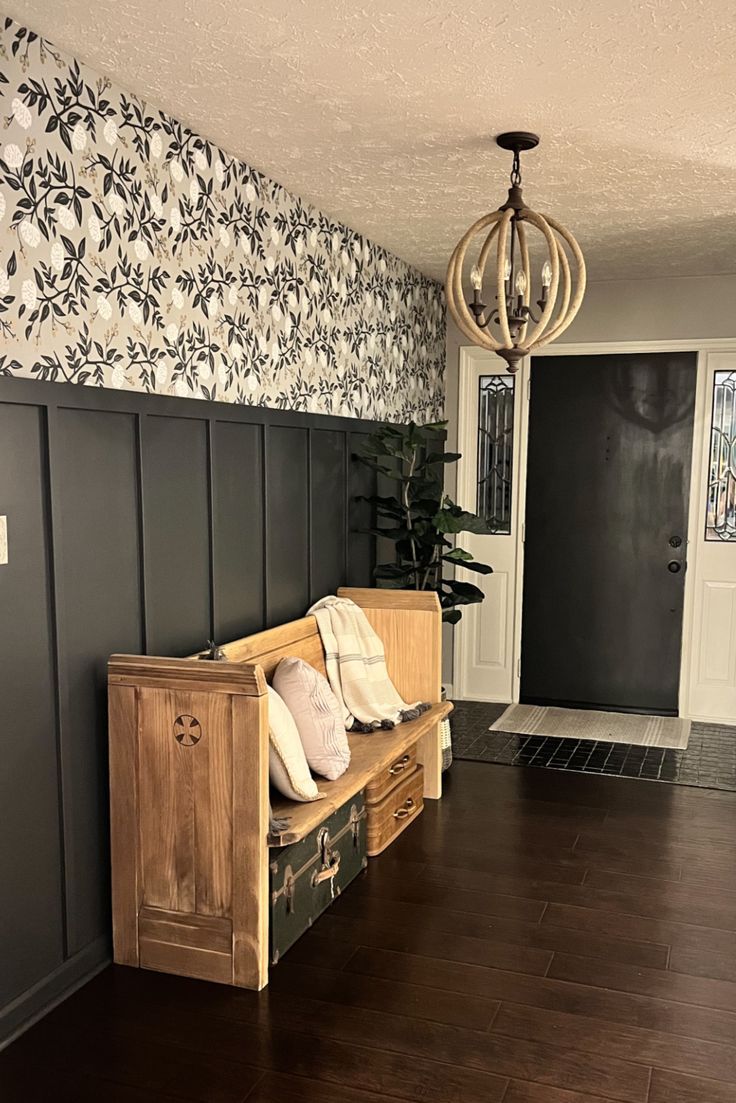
(140, 524)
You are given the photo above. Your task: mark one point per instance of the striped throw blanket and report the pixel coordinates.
(356, 668)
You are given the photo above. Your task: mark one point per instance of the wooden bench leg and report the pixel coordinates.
(250, 847)
(429, 754)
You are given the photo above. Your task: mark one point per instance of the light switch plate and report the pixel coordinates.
(3, 540)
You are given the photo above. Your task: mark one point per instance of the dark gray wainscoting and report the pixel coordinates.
(143, 524)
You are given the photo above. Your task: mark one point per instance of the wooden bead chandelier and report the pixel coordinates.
(507, 247)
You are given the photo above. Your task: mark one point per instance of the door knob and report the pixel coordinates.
(674, 566)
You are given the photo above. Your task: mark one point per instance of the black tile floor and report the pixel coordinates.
(708, 762)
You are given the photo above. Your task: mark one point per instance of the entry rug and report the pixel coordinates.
(602, 727)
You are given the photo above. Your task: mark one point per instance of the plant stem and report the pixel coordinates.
(407, 509)
(432, 566)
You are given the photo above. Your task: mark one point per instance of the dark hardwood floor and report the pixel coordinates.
(536, 937)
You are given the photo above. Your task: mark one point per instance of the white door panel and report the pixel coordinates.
(485, 639)
(712, 690)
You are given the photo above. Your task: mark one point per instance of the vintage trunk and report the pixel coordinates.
(307, 876)
(397, 810)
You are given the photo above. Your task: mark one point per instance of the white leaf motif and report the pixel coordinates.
(28, 293)
(12, 156)
(79, 138)
(21, 114)
(29, 233)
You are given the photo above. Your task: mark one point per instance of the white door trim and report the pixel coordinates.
(701, 426)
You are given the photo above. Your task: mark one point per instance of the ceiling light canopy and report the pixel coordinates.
(507, 250)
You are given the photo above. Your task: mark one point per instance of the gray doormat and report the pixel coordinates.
(602, 727)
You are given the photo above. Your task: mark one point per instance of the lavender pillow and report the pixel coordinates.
(317, 714)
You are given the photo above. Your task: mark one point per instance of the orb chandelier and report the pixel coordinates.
(505, 250)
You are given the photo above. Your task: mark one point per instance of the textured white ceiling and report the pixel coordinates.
(381, 113)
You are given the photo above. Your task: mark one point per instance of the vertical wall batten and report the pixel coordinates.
(310, 506)
(141, 531)
(211, 523)
(264, 499)
(50, 422)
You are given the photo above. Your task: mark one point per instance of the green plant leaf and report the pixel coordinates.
(457, 554)
(382, 502)
(443, 457)
(382, 534)
(393, 570)
(453, 519)
(451, 616)
(463, 593)
(479, 568)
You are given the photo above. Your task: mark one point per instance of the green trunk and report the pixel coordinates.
(308, 875)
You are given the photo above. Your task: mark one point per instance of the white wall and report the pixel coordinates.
(619, 310)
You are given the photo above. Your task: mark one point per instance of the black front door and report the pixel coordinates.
(610, 442)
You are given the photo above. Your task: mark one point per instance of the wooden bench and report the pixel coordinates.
(189, 789)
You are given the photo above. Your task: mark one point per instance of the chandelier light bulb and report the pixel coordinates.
(502, 240)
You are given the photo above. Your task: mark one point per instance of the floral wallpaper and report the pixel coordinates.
(136, 254)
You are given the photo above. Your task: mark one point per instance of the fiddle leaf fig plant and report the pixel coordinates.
(419, 517)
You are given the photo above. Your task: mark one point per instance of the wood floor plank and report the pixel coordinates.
(472, 880)
(379, 994)
(699, 951)
(692, 904)
(620, 1006)
(547, 1064)
(524, 1092)
(422, 939)
(411, 1038)
(680, 987)
(317, 945)
(673, 1087)
(661, 845)
(541, 936)
(226, 1024)
(309, 1042)
(711, 956)
(283, 1088)
(459, 1047)
(163, 1068)
(647, 1047)
(433, 894)
(43, 1085)
(602, 891)
(561, 865)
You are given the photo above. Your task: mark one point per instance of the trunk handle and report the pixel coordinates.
(407, 809)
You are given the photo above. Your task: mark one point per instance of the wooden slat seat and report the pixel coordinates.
(370, 754)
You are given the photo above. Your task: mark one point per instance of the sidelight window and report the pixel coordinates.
(720, 522)
(495, 450)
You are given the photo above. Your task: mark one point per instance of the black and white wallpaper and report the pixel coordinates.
(136, 254)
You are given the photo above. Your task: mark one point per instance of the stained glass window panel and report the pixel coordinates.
(720, 522)
(495, 450)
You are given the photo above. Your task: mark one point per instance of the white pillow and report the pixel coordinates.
(318, 716)
(287, 764)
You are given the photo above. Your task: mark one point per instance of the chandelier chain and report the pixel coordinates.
(516, 170)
